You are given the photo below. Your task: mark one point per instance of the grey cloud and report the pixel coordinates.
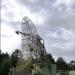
(68, 55)
(61, 45)
(11, 23)
(61, 20)
(48, 5)
(37, 5)
(56, 17)
(55, 20)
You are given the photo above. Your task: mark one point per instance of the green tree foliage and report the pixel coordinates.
(7, 62)
(61, 64)
(16, 55)
(49, 59)
(71, 65)
(4, 64)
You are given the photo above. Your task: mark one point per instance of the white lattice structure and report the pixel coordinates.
(31, 44)
(26, 41)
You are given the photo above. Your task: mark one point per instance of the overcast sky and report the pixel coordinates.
(54, 20)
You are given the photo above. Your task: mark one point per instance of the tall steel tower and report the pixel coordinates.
(31, 43)
(29, 40)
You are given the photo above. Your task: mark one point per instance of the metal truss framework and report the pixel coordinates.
(31, 42)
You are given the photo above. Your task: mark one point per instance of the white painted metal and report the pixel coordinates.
(26, 41)
(31, 45)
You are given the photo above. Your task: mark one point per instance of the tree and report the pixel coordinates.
(15, 57)
(71, 65)
(4, 64)
(61, 64)
(50, 58)
(5, 67)
(0, 51)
